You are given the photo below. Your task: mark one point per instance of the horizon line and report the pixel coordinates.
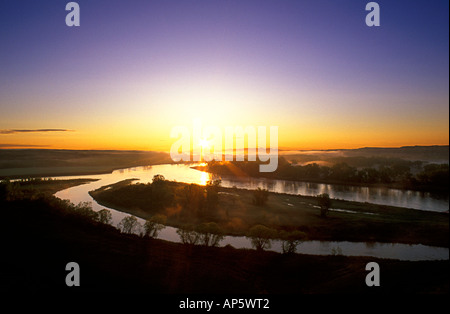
(284, 149)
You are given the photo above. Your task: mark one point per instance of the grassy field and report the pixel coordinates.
(236, 213)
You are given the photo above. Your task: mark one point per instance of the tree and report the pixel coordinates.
(160, 191)
(158, 178)
(260, 237)
(104, 216)
(343, 172)
(193, 197)
(188, 235)
(336, 251)
(154, 225)
(4, 190)
(212, 193)
(210, 234)
(324, 203)
(129, 224)
(10, 190)
(290, 240)
(260, 197)
(84, 210)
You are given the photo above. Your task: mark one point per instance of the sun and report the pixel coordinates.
(204, 143)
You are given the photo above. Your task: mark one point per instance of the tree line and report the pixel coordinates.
(210, 234)
(16, 192)
(398, 172)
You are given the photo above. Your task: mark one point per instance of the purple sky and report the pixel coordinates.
(308, 66)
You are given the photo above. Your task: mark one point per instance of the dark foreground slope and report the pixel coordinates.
(38, 239)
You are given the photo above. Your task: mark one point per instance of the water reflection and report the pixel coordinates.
(414, 252)
(378, 195)
(205, 177)
(183, 173)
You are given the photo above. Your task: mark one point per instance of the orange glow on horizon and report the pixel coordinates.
(153, 143)
(294, 133)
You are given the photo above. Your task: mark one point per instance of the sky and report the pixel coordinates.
(133, 70)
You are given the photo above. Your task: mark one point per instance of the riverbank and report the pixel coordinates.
(435, 182)
(114, 262)
(47, 186)
(24, 163)
(235, 213)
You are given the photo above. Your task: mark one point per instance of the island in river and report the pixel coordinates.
(236, 211)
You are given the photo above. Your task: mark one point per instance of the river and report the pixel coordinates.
(183, 173)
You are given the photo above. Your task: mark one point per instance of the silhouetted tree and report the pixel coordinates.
(10, 190)
(154, 225)
(161, 194)
(212, 193)
(158, 178)
(434, 177)
(4, 190)
(104, 216)
(324, 203)
(261, 236)
(188, 235)
(290, 240)
(210, 234)
(342, 171)
(84, 210)
(129, 224)
(386, 174)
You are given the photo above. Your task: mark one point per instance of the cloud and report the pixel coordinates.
(15, 131)
(22, 146)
